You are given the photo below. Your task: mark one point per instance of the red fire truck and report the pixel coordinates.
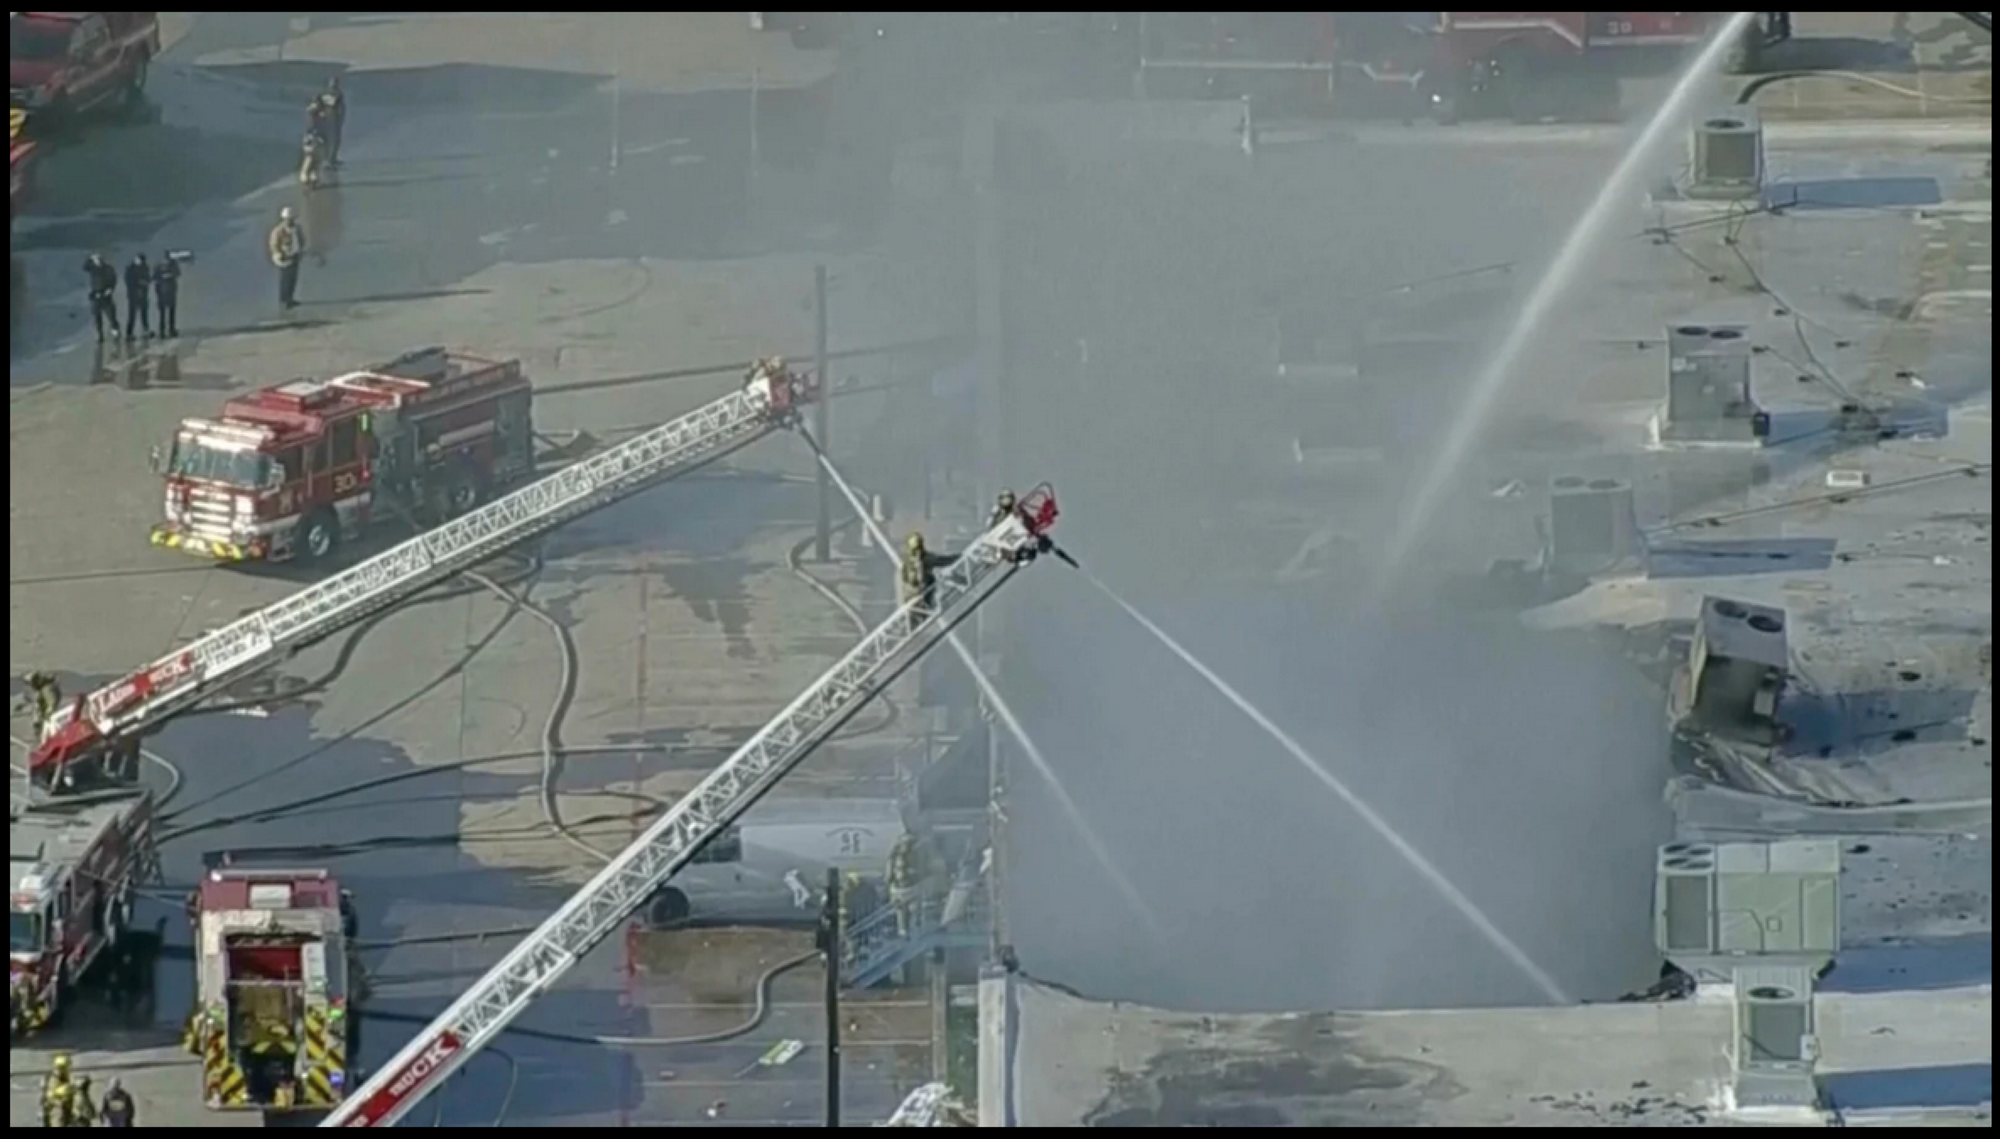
(1525, 65)
(1532, 65)
(74, 863)
(20, 165)
(63, 64)
(294, 470)
(275, 1024)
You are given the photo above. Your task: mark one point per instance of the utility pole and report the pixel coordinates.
(829, 945)
(823, 539)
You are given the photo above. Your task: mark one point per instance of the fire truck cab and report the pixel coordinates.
(294, 470)
(274, 1025)
(73, 865)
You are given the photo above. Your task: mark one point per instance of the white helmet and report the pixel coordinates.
(285, 214)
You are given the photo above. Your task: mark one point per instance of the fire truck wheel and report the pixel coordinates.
(320, 536)
(669, 907)
(461, 495)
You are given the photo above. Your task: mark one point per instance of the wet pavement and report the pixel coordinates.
(476, 206)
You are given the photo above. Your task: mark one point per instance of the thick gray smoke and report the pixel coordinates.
(1148, 274)
(1529, 771)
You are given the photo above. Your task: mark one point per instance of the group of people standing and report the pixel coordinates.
(150, 287)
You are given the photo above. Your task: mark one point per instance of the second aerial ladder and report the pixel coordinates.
(86, 729)
(596, 911)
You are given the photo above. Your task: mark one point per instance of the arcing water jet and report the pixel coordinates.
(1425, 868)
(1591, 229)
(1005, 714)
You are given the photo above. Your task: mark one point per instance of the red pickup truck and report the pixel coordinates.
(64, 64)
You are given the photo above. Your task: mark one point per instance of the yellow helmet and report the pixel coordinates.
(60, 1064)
(914, 542)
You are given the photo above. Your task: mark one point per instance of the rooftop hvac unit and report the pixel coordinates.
(1727, 156)
(1775, 1053)
(1721, 907)
(1737, 669)
(1708, 385)
(1684, 900)
(1593, 525)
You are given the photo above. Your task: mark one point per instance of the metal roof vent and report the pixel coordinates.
(1774, 1053)
(1726, 162)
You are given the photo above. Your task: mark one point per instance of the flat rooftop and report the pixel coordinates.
(1620, 1065)
(1871, 288)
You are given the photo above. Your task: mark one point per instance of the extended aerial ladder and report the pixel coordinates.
(87, 729)
(596, 911)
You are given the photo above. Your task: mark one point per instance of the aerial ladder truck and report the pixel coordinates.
(485, 1011)
(93, 739)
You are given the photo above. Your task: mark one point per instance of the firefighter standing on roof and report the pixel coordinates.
(287, 245)
(919, 572)
(103, 295)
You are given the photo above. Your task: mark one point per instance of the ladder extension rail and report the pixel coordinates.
(193, 673)
(594, 912)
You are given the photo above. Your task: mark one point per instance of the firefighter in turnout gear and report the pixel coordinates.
(329, 115)
(82, 1112)
(1004, 508)
(48, 697)
(58, 1093)
(119, 1110)
(905, 874)
(919, 572)
(859, 902)
(287, 244)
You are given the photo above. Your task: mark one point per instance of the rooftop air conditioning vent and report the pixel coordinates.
(1728, 155)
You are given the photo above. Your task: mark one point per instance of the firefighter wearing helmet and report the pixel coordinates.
(919, 572)
(765, 368)
(47, 695)
(60, 1094)
(1004, 507)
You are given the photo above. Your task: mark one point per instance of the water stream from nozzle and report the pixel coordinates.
(1003, 712)
(1592, 228)
(1424, 867)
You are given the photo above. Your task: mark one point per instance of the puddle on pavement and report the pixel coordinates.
(138, 368)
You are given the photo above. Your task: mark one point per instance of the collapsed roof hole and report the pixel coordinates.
(1903, 735)
(1767, 624)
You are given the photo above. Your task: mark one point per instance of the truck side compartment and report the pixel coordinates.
(273, 1027)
